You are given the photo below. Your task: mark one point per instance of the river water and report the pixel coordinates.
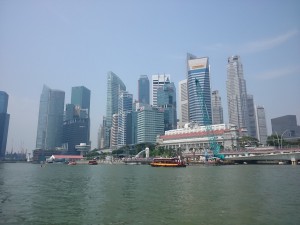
(123, 194)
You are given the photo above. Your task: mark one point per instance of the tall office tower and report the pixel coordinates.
(4, 123)
(237, 93)
(158, 81)
(99, 137)
(262, 133)
(252, 118)
(76, 126)
(102, 133)
(50, 122)
(166, 99)
(114, 131)
(114, 86)
(81, 96)
(125, 119)
(144, 89)
(198, 69)
(286, 126)
(217, 109)
(183, 106)
(150, 123)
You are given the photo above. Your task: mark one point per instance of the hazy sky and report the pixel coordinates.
(66, 43)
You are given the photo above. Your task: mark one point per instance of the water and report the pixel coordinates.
(120, 194)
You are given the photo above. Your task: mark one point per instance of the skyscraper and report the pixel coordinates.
(114, 86)
(166, 99)
(150, 123)
(76, 126)
(125, 119)
(198, 69)
(252, 117)
(81, 97)
(158, 81)
(286, 126)
(183, 107)
(144, 89)
(50, 122)
(262, 133)
(4, 123)
(217, 109)
(236, 93)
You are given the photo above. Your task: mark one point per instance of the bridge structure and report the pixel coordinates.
(254, 156)
(251, 156)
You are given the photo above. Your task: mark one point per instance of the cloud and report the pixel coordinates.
(265, 44)
(282, 72)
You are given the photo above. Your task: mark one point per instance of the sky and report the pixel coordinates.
(67, 43)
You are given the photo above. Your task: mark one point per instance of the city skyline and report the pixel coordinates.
(61, 46)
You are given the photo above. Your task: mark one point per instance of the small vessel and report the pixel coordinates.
(93, 162)
(72, 163)
(167, 162)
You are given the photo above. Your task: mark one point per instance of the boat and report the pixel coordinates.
(167, 162)
(72, 163)
(93, 162)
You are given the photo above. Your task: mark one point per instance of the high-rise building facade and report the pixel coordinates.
(217, 109)
(114, 86)
(261, 124)
(166, 99)
(158, 81)
(50, 122)
(237, 93)
(76, 126)
(125, 119)
(183, 107)
(81, 96)
(198, 69)
(144, 89)
(4, 123)
(114, 131)
(252, 132)
(150, 123)
(286, 126)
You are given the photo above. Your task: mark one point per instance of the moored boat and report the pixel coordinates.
(167, 162)
(93, 162)
(72, 163)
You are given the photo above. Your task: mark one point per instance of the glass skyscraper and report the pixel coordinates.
(50, 122)
(166, 99)
(76, 126)
(144, 89)
(252, 117)
(125, 119)
(237, 93)
(114, 86)
(158, 81)
(81, 96)
(262, 133)
(198, 69)
(150, 123)
(4, 123)
(183, 106)
(217, 109)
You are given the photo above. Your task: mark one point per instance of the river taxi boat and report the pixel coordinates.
(93, 162)
(167, 162)
(72, 163)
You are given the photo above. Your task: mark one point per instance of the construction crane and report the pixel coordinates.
(214, 146)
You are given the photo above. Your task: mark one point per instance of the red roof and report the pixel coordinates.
(191, 135)
(68, 156)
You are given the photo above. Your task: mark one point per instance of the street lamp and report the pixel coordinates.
(277, 139)
(282, 136)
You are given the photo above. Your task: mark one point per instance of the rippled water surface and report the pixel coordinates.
(120, 194)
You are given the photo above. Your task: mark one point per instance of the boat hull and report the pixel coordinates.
(166, 165)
